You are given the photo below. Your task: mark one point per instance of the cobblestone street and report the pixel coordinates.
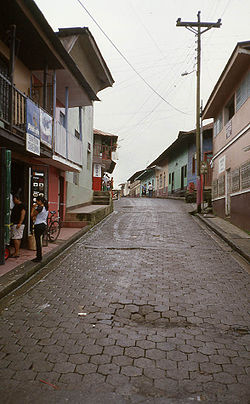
(145, 308)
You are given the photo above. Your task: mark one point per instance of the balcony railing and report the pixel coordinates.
(18, 108)
(103, 151)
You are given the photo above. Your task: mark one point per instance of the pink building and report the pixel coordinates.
(229, 106)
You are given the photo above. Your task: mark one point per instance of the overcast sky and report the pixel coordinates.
(145, 32)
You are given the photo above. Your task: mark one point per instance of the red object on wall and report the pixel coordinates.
(97, 184)
(57, 191)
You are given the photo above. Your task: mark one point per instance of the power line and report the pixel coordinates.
(128, 62)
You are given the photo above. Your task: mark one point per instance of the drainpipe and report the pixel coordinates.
(66, 117)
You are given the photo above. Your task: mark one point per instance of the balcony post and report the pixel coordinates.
(80, 122)
(11, 72)
(66, 117)
(45, 85)
(54, 109)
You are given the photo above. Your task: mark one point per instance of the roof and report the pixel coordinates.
(92, 50)
(237, 65)
(101, 133)
(182, 135)
(135, 175)
(32, 8)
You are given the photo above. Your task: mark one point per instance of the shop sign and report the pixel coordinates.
(32, 128)
(97, 170)
(46, 128)
(222, 164)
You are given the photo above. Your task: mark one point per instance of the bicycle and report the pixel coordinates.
(54, 226)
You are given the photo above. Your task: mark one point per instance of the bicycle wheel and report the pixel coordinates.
(54, 230)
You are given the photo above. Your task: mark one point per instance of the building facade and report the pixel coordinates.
(229, 106)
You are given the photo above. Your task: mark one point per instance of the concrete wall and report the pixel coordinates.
(161, 188)
(177, 160)
(82, 193)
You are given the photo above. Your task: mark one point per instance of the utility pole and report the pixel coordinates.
(196, 28)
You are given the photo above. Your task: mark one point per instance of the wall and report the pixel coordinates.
(162, 191)
(207, 147)
(21, 73)
(81, 193)
(176, 161)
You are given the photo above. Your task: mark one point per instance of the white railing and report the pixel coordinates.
(74, 149)
(60, 140)
(71, 148)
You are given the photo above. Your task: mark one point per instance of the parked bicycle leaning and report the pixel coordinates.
(39, 213)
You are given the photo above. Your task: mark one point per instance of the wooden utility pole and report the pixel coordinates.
(196, 27)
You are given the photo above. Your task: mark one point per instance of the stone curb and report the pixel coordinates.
(20, 274)
(227, 239)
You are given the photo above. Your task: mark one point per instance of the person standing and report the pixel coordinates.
(150, 190)
(17, 224)
(39, 212)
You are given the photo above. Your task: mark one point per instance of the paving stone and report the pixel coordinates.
(71, 378)
(123, 360)
(113, 350)
(64, 367)
(154, 373)
(224, 377)
(131, 371)
(117, 379)
(86, 368)
(144, 363)
(108, 369)
(177, 356)
(170, 386)
(154, 354)
(210, 368)
(134, 352)
(198, 357)
(92, 349)
(25, 375)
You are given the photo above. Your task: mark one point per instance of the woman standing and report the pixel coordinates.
(39, 212)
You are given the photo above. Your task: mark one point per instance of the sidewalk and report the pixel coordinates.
(238, 239)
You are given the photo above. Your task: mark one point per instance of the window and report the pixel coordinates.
(160, 180)
(77, 134)
(243, 92)
(229, 110)
(88, 160)
(62, 119)
(169, 179)
(185, 171)
(218, 125)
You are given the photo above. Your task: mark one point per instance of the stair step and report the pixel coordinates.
(71, 224)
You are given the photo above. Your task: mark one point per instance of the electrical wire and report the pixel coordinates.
(128, 62)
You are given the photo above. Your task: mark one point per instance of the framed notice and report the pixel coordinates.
(97, 170)
(32, 128)
(222, 164)
(46, 128)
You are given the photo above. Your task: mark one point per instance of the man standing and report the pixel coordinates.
(17, 228)
(150, 190)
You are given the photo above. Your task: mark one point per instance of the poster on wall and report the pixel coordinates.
(46, 128)
(97, 170)
(32, 128)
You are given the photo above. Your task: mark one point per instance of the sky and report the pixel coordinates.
(145, 33)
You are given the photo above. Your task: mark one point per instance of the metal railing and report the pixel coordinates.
(103, 151)
(15, 112)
